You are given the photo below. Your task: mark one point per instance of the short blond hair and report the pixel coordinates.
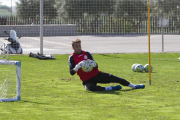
(76, 41)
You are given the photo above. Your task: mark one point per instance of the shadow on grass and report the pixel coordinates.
(107, 92)
(25, 101)
(118, 92)
(146, 72)
(125, 90)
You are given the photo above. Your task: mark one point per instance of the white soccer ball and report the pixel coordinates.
(87, 66)
(146, 68)
(133, 67)
(139, 68)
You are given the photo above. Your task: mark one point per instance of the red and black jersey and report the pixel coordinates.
(75, 59)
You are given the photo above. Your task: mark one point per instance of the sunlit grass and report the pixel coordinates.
(49, 92)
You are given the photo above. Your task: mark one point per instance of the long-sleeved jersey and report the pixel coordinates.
(75, 59)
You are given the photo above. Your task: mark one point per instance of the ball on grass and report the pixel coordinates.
(139, 68)
(133, 67)
(146, 68)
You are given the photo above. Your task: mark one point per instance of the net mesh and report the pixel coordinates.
(8, 81)
(117, 22)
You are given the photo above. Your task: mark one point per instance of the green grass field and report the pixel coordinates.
(49, 92)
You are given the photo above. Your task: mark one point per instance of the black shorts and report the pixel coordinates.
(102, 77)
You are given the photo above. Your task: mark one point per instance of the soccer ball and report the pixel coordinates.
(139, 68)
(133, 67)
(146, 68)
(87, 66)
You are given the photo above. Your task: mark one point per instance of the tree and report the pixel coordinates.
(76, 9)
(134, 11)
(168, 8)
(30, 9)
(5, 10)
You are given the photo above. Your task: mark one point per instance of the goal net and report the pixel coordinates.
(10, 80)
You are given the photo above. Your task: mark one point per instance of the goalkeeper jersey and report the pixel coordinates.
(75, 59)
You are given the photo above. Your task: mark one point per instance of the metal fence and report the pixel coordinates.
(95, 16)
(125, 22)
(104, 24)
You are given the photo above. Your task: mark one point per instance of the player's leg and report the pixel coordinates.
(109, 78)
(94, 87)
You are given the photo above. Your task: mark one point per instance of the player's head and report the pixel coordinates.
(76, 45)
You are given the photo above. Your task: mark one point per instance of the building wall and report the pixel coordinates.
(34, 30)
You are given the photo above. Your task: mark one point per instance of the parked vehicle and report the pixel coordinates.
(14, 46)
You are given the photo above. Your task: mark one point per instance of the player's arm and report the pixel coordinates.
(71, 65)
(91, 58)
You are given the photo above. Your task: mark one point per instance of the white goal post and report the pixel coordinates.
(5, 51)
(10, 81)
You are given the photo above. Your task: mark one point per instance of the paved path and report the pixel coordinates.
(101, 44)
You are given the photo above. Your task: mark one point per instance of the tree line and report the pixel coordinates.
(133, 11)
(75, 9)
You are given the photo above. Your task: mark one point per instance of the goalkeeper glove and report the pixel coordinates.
(93, 63)
(78, 66)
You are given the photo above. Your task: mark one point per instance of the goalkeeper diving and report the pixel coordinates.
(90, 79)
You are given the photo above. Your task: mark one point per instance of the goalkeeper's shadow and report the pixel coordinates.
(107, 92)
(116, 92)
(125, 90)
